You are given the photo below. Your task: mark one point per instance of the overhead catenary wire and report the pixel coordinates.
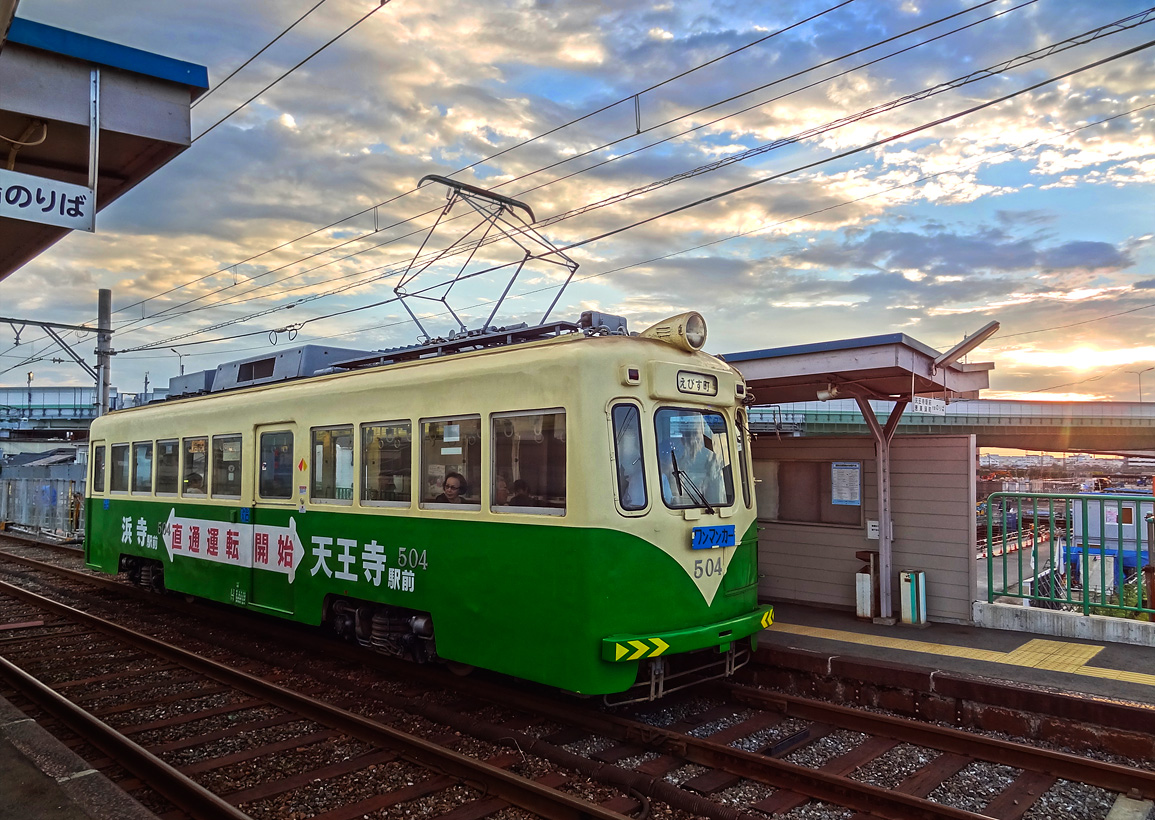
(940, 88)
(263, 49)
(737, 189)
(311, 55)
(168, 312)
(761, 228)
(317, 318)
(262, 332)
(1037, 54)
(521, 144)
(381, 4)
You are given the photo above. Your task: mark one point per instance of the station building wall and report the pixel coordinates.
(933, 489)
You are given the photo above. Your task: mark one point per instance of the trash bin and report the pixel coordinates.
(912, 584)
(866, 585)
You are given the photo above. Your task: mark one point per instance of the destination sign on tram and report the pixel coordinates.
(700, 384)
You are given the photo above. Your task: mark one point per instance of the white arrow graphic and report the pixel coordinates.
(298, 549)
(166, 533)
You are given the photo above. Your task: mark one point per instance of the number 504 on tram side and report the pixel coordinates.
(570, 504)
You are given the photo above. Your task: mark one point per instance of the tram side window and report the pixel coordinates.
(743, 467)
(529, 463)
(387, 462)
(333, 464)
(276, 479)
(142, 467)
(451, 461)
(98, 468)
(167, 466)
(196, 466)
(119, 478)
(628, 454)
(227, 466)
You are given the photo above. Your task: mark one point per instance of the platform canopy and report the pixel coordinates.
(47, 94)
(891, 366)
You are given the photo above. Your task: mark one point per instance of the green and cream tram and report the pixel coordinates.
(568, 505)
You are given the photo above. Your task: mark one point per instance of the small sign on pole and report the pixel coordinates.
(47, 201)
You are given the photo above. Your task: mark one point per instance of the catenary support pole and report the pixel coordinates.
(103, 350)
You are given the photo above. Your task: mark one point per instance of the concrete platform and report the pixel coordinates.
(1116, 671)
(42, 778)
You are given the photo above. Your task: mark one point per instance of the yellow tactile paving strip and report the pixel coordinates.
(1057, 656)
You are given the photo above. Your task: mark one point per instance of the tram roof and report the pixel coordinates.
(887, 366)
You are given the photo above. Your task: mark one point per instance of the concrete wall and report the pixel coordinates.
(933, 489)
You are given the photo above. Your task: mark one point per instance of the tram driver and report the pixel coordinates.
(691, 470)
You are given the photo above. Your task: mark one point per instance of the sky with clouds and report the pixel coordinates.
(853, 176)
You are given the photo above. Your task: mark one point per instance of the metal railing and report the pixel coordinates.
(1088, 553)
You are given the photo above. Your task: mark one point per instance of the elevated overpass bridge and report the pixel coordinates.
(1121, 428)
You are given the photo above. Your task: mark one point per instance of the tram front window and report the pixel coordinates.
(694, 458)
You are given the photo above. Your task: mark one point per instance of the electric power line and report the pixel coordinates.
(311, 55)
(265, 48)
(941, 88)
(763, 227)
(167, 312)
(737, 189)
(511, 148)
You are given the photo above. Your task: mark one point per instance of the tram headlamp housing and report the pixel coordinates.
(686, 331)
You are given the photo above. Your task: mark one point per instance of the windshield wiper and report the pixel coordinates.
(678, 476)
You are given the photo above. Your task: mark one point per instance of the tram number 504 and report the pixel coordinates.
(708, 567)
(411, 558)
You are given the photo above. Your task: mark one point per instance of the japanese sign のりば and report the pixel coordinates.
(47, 201)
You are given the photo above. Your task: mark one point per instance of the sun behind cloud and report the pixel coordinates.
(1084, 357)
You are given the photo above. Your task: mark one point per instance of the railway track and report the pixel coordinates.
(136, 698)
(740, 752)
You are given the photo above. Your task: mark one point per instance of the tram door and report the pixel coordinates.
(276, 548)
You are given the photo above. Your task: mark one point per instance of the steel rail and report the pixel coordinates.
(507, 786)
(632, 731)
(812, 783)
(90, 578)
(1110, 776)
(1106, 775)
(183, 792)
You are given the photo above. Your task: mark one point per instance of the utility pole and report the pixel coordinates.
(1140, 373)
(103, 350)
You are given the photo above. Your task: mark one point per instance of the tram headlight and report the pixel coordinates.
(686, 331)
(695, 330)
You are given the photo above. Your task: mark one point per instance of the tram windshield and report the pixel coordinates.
(694, 458)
